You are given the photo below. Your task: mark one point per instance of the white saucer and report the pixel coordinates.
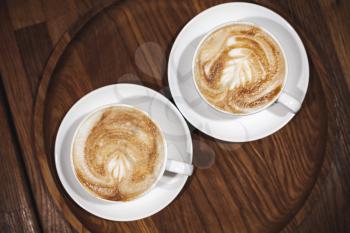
(221, 125)
(173, 126)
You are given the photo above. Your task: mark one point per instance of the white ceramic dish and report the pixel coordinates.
(218, 124)
(175, 131)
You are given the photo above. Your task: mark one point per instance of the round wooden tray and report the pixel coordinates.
(250, 187)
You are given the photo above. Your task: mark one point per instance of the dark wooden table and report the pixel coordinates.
(49, 57)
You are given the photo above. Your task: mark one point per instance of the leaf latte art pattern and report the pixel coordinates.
(239, 68)
(118, 153)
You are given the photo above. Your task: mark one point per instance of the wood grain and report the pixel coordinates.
(329, 199)
(229, 196)
(338, 22)
(266, 186)
(17, 209)
(16, 88)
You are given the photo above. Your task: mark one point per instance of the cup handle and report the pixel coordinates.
(179, 167)
(289, 102)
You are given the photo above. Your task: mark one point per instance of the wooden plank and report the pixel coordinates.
(18, 91)
(35, 47)
(60, 15)
(336, 13)
(17, 209)
(327, 207)
(25, 13)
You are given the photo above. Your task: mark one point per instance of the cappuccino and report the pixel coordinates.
(239, 69)
(118, 153)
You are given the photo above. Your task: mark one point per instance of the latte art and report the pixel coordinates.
(118, 153)
(239, 68)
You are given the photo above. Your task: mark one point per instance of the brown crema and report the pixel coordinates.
(118, 153)
(239, 69)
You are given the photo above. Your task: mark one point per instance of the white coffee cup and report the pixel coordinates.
(283, 98)
(169, 165)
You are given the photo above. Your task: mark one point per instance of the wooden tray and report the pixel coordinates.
(251, 187)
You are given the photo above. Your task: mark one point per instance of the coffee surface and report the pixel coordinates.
(118, 153)
(239, 69)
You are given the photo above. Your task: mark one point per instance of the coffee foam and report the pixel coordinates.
(239, 68)
(118, 153)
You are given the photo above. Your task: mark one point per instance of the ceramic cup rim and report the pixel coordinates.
(99, 109)
(235, 22)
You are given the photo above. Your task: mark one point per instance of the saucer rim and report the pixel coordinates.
(67, 187)
(195, 122)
